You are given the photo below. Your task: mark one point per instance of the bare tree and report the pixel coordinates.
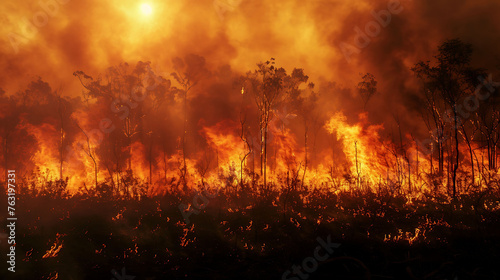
(367, 88)
(187, 73)
(123, 89)
(267, 84)
(244, 136)
(451, 80)
(304, 102)
(91, 153)
(273, 88)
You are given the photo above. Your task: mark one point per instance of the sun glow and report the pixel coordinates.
(146, 9)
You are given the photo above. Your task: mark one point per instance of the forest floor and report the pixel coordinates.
(332, 236)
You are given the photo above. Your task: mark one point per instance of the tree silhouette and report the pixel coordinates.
(367, 88)
(187, 73)
(450, 80)
(272, 89)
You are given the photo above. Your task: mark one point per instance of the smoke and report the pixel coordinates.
(335, 42)
(92, 35)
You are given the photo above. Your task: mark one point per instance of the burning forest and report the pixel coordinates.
(234, 139)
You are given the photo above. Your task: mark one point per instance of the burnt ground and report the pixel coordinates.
(243, 236)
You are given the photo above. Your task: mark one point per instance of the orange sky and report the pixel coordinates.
(54, 39)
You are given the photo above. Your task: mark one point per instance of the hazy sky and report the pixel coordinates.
(332, 40)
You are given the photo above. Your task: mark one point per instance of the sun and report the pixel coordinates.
(146, 9)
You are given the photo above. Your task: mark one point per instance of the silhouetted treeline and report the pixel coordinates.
(132, 125)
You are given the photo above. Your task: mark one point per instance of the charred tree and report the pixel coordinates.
(450, 80)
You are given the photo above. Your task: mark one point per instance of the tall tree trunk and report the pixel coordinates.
(61, 143)
(305, 149)
(150, 163)
(471, 153)
(265, 155)
(457, 151)
(61, 152)
(184, 136)
(357, 169)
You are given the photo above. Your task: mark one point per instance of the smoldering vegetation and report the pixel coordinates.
(203, 172)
